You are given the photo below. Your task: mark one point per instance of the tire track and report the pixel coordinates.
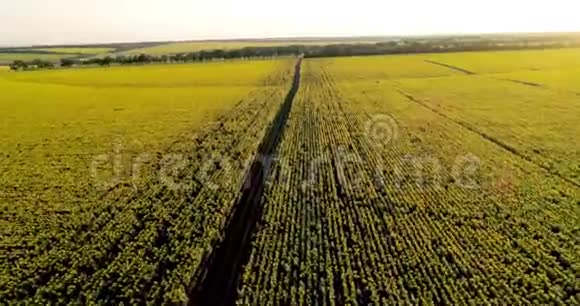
(490, 138)
(525, 83)
(218, 278)
(468, 72)
(455, 68)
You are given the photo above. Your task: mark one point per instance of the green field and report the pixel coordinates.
(49, 54)
(185, 47)
(409, 179)
(88, 51)
(8, 58)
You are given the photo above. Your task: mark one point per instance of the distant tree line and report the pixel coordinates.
(395, 46)
(34, 64)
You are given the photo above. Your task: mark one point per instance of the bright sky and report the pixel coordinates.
(27, 22)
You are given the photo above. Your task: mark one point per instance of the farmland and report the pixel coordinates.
(80, 193)
(78, 50)
(186, 47)
(7, 58)
(446, 202)
(409, 179)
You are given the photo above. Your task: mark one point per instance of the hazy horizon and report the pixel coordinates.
(65, 22)
(287, 38)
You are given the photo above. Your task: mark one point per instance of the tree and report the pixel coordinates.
(18, 65)
(66, 62)
(143, 58)
(107, 61)
(38, 63)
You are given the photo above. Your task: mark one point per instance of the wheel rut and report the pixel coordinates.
(464, 71)
(491, 139)
(217, 280)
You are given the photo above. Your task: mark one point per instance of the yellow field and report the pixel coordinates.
(509, 61)
(403, 183)
(564, 79)
(385, 180)
(214, 74)
(532, 111)
(77, 144)
(50, 114)
(536, 122)
(384, 67)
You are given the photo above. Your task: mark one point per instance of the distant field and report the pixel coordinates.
(565, 79)
(50, 54)
(540, 86)
(75, 50)
(386, 67)
(510, 61)
(7, 58)
(164, 77)
(184, 47)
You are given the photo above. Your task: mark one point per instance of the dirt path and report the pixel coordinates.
(218, 282)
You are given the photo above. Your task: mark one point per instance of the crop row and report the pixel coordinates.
(355, 215)
(143, 241)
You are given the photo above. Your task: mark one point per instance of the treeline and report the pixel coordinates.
(429, 47)
(249, 52)
(34, 64)
(394, 46)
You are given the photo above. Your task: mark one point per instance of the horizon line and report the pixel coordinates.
(293, 38)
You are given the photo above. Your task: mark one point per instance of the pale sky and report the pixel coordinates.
(28, 22)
